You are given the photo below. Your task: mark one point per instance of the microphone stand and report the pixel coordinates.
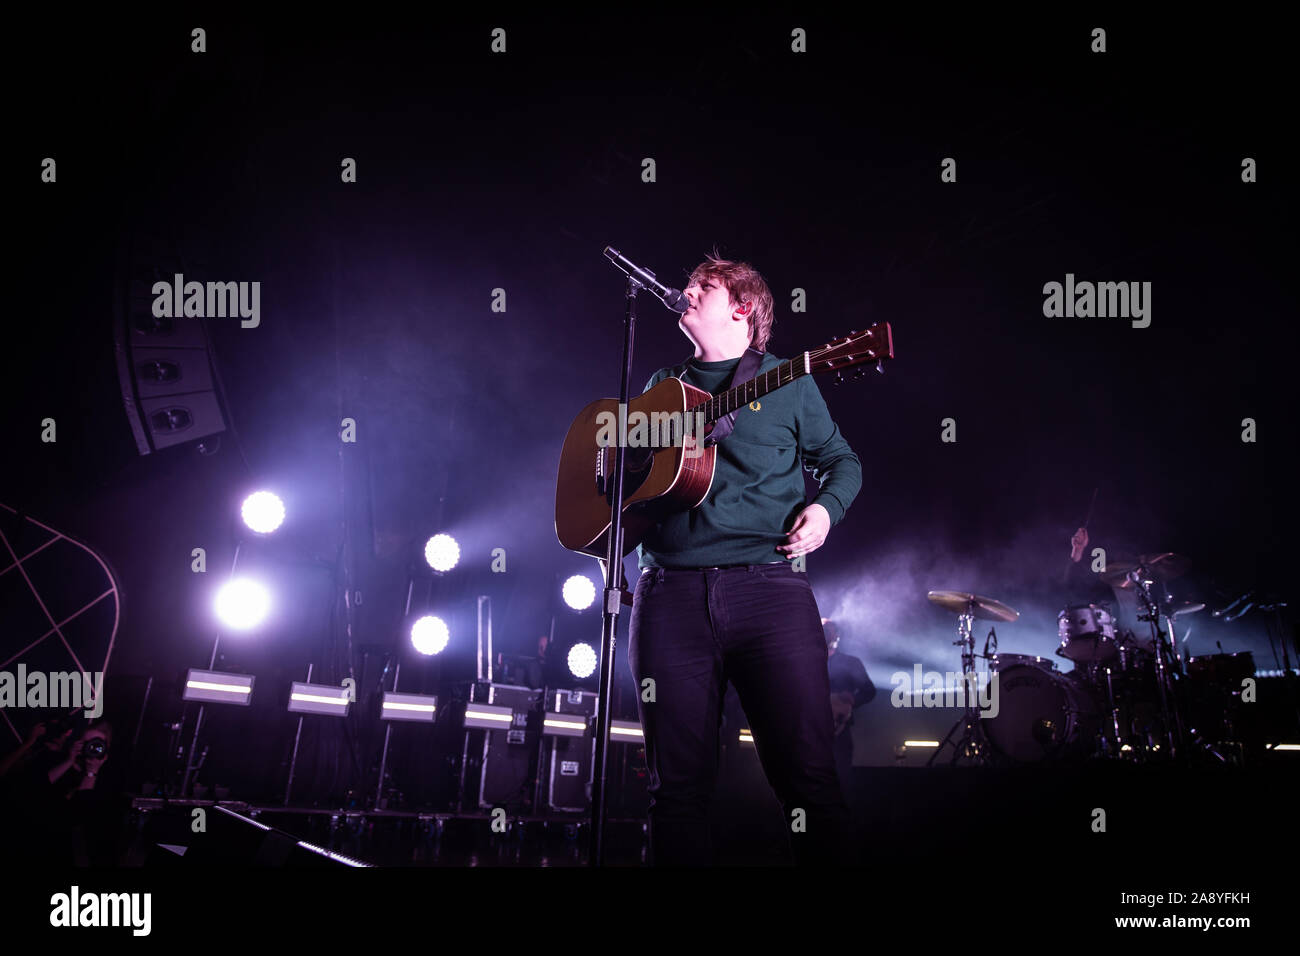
(614, 594)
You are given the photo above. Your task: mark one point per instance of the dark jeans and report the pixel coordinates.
(759, 627)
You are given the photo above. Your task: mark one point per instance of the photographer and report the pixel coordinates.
(79, 769)
(59, 812)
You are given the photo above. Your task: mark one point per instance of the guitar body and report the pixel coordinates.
(669, 473)
(670, 481)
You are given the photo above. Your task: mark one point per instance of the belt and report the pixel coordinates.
(721, 567)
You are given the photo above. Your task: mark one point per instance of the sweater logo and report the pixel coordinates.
(755, 406)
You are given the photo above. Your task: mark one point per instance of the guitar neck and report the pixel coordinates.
(754, 389)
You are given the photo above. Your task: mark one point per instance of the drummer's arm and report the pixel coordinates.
(1077, 544)
(1081, 582)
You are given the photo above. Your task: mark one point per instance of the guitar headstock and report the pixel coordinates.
(874, 344)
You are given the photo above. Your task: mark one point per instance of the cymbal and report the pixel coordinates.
(983, 608)
(1187, 607)
(1167, 565)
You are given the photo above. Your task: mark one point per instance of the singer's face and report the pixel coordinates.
(711, 315)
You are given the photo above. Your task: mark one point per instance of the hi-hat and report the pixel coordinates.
(983, 608)
(1118, 568)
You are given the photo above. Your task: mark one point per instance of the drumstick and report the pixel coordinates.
(1090, 504)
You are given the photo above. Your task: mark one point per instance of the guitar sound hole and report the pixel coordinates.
(636, 469)
(639, 459)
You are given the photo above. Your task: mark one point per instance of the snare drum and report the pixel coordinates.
(1087, 633)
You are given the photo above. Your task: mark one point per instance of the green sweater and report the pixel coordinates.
(758, 487)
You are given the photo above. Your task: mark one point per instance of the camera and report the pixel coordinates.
(94, 747)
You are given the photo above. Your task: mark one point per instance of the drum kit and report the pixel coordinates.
(1128, 697)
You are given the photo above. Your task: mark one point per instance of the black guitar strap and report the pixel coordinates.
(745, 369)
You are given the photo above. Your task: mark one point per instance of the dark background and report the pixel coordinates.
(479, 171)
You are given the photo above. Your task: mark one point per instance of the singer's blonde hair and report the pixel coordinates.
(743, 284)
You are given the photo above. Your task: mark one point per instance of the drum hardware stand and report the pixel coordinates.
(1125, 644)
(1114, 712)
(1161, 642)
(1186, 734)
(973, 744)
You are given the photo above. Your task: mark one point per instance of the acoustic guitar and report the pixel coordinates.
(669, 465)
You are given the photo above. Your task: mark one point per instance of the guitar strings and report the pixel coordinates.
(718, 405)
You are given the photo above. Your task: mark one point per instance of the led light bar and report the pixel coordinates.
(319, 699)
(746, 735)
(920, 743)
(488, 717)
(421, 707)
(564, 725)
(625, 731)
(215, 687)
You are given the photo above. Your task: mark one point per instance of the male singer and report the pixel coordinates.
(719, 600)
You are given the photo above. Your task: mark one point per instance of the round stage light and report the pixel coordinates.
(579, 592)
(442, 552)
(263, 512)
(242, 604)
(582, 660)
(429, 635)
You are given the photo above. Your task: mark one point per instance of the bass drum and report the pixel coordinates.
(1041, 715)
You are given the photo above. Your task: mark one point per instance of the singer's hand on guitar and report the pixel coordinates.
(809, 532)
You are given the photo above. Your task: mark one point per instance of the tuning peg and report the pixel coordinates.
(880, 366)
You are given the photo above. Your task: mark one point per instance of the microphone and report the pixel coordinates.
(672, 298)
